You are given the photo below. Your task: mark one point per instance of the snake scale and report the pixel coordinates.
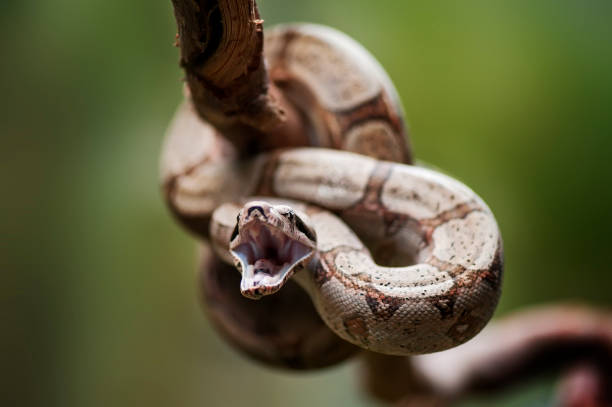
(396, 258)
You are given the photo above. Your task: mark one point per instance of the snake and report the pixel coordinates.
(396, 258)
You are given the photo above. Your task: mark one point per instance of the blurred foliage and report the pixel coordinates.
(515, 99)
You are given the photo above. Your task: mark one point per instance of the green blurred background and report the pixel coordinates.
(514, 99)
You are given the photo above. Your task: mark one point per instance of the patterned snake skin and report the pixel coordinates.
(425, 272)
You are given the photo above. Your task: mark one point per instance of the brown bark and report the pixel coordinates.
(221, 43)
(390, 378)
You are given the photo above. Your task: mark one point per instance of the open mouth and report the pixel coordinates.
(268, 258)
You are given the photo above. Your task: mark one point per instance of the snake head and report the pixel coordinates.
(270, 243)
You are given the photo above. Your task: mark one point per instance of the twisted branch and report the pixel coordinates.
(221, 43)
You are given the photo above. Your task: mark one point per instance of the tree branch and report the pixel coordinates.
(221, 43)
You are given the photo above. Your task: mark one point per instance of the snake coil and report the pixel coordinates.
(396, 259)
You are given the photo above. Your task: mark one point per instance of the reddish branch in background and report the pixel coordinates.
(221, 52)
(573, 340)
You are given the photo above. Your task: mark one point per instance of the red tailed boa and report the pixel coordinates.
(427, 276)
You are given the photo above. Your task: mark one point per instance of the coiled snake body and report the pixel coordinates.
(437, 242)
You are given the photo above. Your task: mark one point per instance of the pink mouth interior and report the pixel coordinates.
(268, 256)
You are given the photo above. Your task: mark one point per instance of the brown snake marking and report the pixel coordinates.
(462, 308)
(443, 303)
(445, 229)
(290, 50)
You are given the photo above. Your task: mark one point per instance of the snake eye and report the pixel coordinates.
(304, 229)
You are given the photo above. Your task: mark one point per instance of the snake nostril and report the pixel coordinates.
(256, 208)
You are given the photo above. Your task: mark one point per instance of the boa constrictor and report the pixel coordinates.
(437, 244)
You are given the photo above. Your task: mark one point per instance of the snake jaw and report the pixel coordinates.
(266, 251)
